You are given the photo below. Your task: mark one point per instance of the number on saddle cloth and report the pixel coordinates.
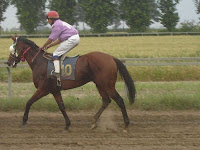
(67, 68)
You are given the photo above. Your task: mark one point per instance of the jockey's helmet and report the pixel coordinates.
(52, 15)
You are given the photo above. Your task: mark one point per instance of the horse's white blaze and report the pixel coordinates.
(12, 49)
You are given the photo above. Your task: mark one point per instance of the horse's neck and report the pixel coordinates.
(35, 61)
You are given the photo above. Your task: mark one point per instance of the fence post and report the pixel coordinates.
(9, 83)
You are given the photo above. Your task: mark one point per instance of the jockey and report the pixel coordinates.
(63, 33)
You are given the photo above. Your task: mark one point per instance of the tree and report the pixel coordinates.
(3, 6)
(30, 13)
(98, 14)
(189, 26)
(80, 15)
(155, 14)
(138, 14)
(65, 8)
(117, 19)
(169, 16)
(197, 4)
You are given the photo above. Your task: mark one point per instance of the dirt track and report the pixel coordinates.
(179, 130)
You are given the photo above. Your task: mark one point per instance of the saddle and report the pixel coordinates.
(67, 66)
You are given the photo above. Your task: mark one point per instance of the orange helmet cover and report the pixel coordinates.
(52, 14)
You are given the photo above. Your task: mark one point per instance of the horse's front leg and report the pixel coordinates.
(58, 98)
(36, 96)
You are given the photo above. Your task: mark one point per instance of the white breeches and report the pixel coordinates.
(67, 45)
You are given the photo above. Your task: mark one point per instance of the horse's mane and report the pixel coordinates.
(33, 45)
(28, 42)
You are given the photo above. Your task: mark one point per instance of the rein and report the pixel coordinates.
(36, 55)
(22, 57)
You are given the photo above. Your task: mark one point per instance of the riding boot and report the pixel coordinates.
(56, 72)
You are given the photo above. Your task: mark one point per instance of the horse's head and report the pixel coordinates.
(18, 49)
(14, 58)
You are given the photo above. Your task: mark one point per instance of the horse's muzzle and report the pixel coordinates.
(14, 64)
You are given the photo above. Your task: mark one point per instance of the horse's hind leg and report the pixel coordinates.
(105, 102)
(120, 102)
(58, 98)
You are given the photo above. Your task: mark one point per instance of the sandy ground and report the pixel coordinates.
(149, 130)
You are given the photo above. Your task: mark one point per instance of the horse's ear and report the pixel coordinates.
(13, 38)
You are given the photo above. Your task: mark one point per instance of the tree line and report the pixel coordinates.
(98, 14)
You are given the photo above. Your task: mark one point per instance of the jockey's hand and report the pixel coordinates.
(47, 47)
(43, 48)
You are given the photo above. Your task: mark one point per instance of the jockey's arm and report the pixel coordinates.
(49, 41)
(54, 43)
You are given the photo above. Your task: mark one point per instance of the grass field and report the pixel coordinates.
(150, 96)
(129, 47)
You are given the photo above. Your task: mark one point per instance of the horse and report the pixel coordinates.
(97, 67)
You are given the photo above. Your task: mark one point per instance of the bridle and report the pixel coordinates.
(22, 57)
(18, 55)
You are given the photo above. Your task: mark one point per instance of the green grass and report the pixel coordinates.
(135, 46)
(165, 73)
(168, 95)
(129, 47)
(150, 96)
(139, 73)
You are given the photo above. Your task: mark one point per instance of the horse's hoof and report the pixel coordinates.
(93, 126)
(125, 131)
(67, 128)
(24, 123)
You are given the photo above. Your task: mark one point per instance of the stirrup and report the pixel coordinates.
(56, 76)
(58, 81)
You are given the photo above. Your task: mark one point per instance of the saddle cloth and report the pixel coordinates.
(68, 66)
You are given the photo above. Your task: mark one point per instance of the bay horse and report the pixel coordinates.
(97, 67)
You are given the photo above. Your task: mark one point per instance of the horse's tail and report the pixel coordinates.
(127, 79)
